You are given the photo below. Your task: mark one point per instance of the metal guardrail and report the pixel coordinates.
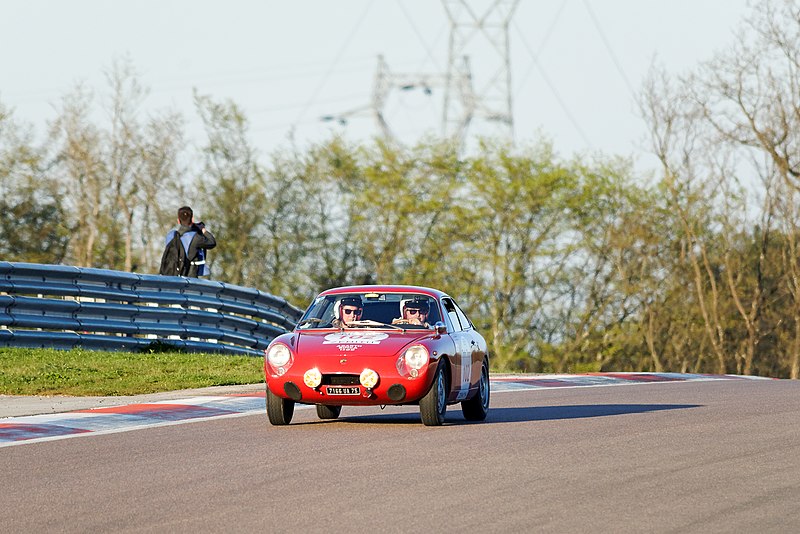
(63, 307)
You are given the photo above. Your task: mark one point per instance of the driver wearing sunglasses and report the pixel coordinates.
(347, 310)
(414, 312)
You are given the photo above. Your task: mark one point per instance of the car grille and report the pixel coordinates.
(340, 380)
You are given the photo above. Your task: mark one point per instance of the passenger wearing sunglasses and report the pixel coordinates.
(414, 312)
(346, 311)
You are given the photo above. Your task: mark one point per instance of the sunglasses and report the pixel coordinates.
(352, 311)
(413, 311)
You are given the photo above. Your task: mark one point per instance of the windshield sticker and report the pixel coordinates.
(355, 338)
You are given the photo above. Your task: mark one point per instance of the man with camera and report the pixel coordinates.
(194, 239)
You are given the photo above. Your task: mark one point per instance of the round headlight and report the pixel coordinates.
(416, 357)
(279, 355)
(368, 378)
(312, 378)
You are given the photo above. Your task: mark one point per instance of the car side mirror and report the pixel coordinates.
(440, 327)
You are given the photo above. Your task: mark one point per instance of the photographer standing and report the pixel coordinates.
(185, 252)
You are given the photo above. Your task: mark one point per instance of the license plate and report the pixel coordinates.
(343, 390)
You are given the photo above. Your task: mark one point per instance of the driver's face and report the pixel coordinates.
(415, 315)
(351, 313)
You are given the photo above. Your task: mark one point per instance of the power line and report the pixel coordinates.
(419, 36)
(336, 61)
(281, 107)
(289, 68)
(610, 51)
(159, 85)
(542, 45)
(553, 89)
(284, 126)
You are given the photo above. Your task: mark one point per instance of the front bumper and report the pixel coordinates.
(342, 387)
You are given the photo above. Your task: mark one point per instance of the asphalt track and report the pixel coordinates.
(706, 456)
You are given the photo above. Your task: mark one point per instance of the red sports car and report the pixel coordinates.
(375, 346)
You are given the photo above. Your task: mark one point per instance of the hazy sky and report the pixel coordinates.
(575, 63)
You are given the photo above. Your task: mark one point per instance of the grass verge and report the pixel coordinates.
(94, 373)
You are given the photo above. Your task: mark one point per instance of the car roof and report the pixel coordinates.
(385, 289)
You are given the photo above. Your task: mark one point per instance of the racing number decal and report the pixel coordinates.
(464, 350)
(355, 338)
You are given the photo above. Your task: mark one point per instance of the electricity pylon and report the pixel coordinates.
(489, 95)
(471, 28)
(387, 81)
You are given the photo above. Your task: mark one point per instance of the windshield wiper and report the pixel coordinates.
(311, 320)
(369, 322)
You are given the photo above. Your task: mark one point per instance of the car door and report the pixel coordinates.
(462, 361)
(477, 346)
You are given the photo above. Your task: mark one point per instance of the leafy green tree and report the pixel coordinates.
(513, 214)
(233, 191)
(606, 276)
(399, 201)
(32, 225)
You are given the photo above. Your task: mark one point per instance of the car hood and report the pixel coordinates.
(357, 342)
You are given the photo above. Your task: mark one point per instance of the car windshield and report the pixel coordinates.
(371, 310)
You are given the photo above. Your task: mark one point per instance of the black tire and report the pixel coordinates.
(279, 410)
(476, 408)
(433, 405)
(328, 412)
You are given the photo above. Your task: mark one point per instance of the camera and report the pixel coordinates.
(200, 225)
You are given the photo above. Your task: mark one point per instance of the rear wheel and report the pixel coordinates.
(328, 412)
(279, 410)
(433, 405)
(476, 408)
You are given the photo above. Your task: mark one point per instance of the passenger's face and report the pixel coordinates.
(415, 315)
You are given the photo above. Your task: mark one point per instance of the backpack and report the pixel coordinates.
(174, 261)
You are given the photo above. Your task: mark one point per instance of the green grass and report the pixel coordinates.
(93, 373)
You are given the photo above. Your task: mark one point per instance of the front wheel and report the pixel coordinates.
(328, 412)
(476, 408)
(279, 410)
(433, 405)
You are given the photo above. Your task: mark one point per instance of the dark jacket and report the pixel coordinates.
(198, 243)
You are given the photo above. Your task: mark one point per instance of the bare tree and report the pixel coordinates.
(81, 170)
(114, 177)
